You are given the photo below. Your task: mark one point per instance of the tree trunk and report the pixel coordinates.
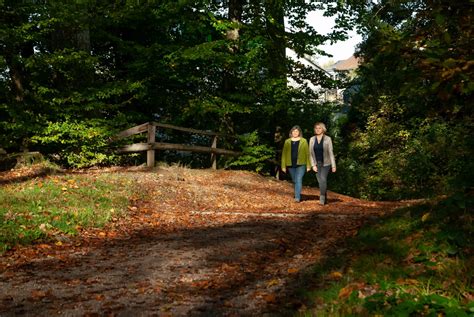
(275, 22)
(275, 19)
(235, 15)
(84, 39)
(236, 8)
(15, 76)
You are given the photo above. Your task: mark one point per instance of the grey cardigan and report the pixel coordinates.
(328, 154)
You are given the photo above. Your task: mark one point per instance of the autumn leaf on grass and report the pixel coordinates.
(468, 296)
(425, 217)
(346, 291)
(44, 227)
(336, 275)
(407, 281)
(292, 270)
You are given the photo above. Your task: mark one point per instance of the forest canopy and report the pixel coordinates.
(73, 73)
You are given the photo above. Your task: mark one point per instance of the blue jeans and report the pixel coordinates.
(322, 176)
(297, 174)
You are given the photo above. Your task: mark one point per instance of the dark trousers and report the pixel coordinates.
(322, 176)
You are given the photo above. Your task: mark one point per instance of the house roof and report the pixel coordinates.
(346, 64)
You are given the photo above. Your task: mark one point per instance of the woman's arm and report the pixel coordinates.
(308, 158)
(331, 155)
(312, 155)
(283, 156)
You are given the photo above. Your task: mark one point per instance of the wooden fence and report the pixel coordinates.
(152, 145)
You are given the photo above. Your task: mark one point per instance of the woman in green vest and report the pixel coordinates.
(295, 159)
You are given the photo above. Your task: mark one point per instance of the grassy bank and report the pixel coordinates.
(48, 208)
(417, 262)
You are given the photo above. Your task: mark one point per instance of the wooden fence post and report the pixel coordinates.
(150, 154)
(214, 155)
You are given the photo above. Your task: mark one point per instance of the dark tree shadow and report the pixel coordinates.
(248, 253)
(39, 172)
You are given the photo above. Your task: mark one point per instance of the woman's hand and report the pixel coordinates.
(334, 170)
(284, 169)
(315, 169)
(308, 169)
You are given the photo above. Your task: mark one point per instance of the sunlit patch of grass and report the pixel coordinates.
(44, 208)
(418, 261)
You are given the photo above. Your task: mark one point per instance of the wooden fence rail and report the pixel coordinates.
(152, 145)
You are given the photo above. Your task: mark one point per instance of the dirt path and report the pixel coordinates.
(207, 244)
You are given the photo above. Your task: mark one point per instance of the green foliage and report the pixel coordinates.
(77, 144)
(255, 155)
(409, 158)
(411, 114)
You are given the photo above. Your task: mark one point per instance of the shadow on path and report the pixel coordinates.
(245, 268)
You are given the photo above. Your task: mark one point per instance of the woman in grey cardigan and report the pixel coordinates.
(322, 158)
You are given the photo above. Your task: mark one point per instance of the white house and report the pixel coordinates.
(346, 66)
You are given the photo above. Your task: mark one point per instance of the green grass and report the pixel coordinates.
(416, 262)
(42, 209)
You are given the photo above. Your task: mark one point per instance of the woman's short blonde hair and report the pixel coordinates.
(322, 125)
(296, 127)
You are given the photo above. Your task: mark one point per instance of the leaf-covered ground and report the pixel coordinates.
(198, 242)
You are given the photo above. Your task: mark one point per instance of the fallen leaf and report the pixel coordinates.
(273, 282)
(335, 275)
(269, 298)
(99, 297)
(345, 292)
(38, 294)
(408, 281)
(425, 217)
